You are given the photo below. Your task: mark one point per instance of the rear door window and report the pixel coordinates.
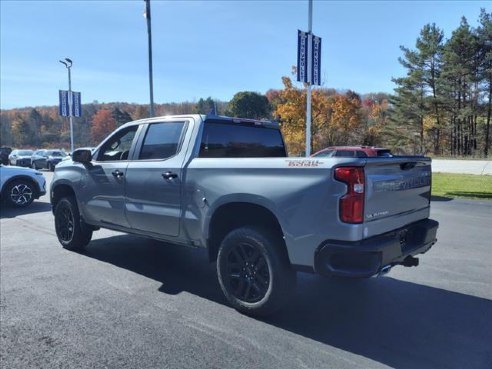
(162, 140)
(220, 140)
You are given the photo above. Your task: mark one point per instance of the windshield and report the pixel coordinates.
(24, 152)
(56, 153)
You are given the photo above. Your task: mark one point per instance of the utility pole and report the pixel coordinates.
(149, 33)
(68, 63)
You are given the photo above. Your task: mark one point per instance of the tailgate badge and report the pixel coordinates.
(377, 214)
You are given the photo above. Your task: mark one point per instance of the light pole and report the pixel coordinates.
(149, 33)
(68, 63)
(310, 73)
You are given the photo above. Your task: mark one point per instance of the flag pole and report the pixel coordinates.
(309, 79)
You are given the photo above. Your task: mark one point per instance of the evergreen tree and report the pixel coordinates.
(205, 106)
(484, 33)
(460, 87)
(248, 104)
(417, 94)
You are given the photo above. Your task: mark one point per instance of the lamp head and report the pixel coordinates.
(67, 62)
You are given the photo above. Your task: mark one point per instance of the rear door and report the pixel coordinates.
(154, 179)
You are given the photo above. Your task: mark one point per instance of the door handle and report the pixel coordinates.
(169, 175)
(117, 173)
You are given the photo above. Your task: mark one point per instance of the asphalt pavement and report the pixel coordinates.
(128, 302)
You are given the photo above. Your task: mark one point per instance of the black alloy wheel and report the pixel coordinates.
(72, 232)
(247, 272)
(64, 223)
(254, 271)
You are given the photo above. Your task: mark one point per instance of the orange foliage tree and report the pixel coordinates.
(103, 124)
(291, 111)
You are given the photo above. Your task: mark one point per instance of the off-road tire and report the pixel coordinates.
(70, 229)
(254, 271)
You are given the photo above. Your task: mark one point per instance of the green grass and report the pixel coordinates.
(462, 185)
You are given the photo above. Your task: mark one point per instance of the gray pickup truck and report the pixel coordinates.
(228, 185)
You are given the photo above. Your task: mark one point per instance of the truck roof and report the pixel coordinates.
(210, 118)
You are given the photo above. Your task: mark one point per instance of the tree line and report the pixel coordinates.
(442, 106)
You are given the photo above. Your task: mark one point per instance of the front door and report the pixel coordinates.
(103, 186)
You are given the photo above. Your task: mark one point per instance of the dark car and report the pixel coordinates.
(4, 155)
(353, 152)
(20, 158)
(47, 159)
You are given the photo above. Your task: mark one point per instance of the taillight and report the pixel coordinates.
(352, 203)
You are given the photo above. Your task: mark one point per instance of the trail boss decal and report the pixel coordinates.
(304, 163)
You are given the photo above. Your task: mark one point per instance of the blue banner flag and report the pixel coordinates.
(302, 56)
(76, 104)
(63, 107)
(316, 61)
(71, 108)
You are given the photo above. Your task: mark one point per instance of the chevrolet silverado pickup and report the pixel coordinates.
(228, 185)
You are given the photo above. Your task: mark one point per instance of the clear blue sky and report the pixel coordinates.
(204, 48)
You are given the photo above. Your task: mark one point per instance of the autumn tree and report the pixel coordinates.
(291, 112)
(345, 122)
(21, 132)
(6, 138)
(120, 116)
(103, 124)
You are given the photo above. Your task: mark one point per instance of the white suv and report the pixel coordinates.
(20, 186)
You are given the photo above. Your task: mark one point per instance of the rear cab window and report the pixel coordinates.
(240, 140)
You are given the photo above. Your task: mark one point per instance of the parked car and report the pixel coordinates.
(47, 159)
(4, 155)
(353, 152)
(227, 185)
(21, 158)
(20, 186)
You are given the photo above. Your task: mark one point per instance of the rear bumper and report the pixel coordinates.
(366, 258)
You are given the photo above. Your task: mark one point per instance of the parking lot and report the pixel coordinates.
(128, 302)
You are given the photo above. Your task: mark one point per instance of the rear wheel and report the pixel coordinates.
(254, 272)
(71, 230)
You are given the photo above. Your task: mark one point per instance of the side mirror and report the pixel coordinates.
(83, 156)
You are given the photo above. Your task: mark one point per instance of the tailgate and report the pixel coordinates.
(397, 187)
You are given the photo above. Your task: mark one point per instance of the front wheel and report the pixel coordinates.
(71, 230)
(254, 272)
